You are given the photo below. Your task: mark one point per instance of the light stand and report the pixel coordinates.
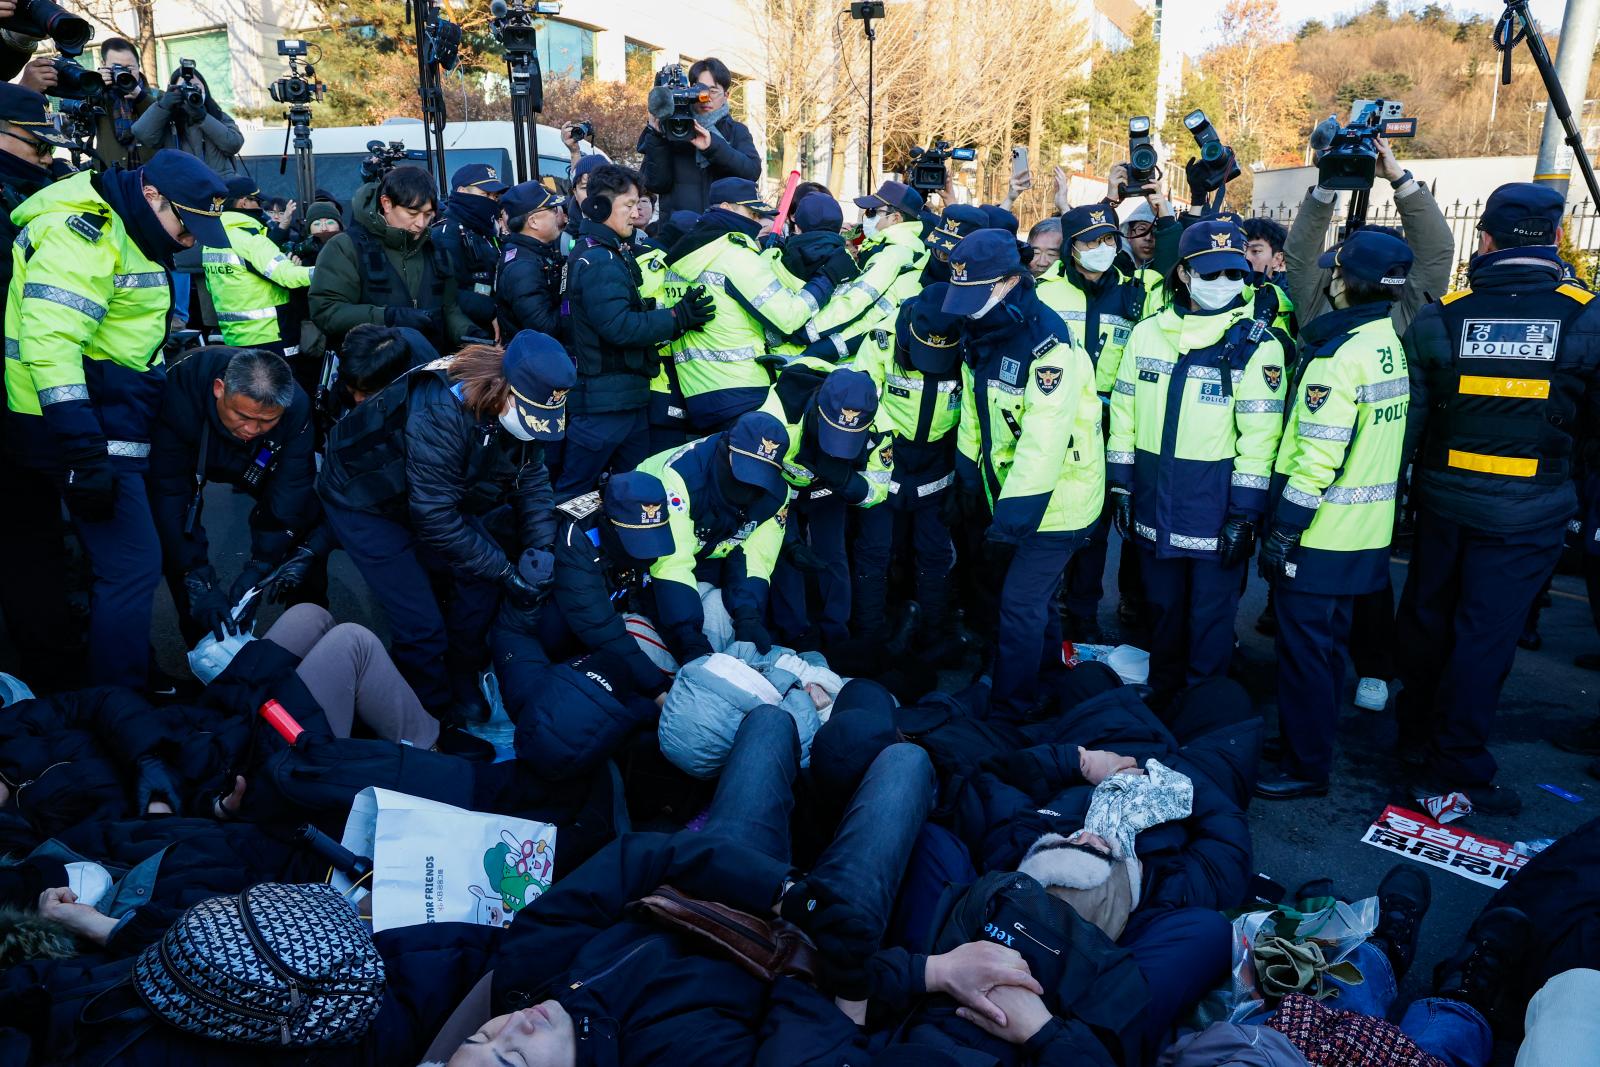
(1507, 34)
(305, 164)
(865, 11)
(438, 49)
(514, 28)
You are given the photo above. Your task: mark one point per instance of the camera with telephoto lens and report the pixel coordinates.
(41, 18)
(672, 102)
(300, 88)
(1216, 166)
(1347, 156)
(928, 174)
(381, 159)
(75, 82)
(1142, 160)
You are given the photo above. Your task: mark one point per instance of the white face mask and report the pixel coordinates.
(869, 226)
(511, 424)
(1212, 295)
(1096, 260)
(994, 301)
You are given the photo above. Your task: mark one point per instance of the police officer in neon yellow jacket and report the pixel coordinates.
(249, 278)
(1334, 497)
(1031, 452)
(726, 503)
(1196, 412)
(86, 316)
(834, 460)
(717, 364)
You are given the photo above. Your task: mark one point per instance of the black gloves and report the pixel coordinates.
(747, 626)
(209, 606)
(1238, 539)
(249, 577)
(90, 489)
(172, 100)
(291, 575)
(840, 268)
(423, 320)
(1122, 517)
(693, 311)
(845, 939)
(802, 557)
(1275, 549)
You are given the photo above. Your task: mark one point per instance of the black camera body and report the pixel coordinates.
(382, 158)
(928, 173)
(76, 82)
(1143, 172)
(1216, 166)
(582, 131)
(124, 79)
(1350, 158)
(188, 87)
(672, 101)
(42, 18)
(513, 25)
(300, 88)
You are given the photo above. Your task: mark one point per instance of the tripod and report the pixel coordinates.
(305, 165)
(431, 58)
(527, 101)
(1516, 25)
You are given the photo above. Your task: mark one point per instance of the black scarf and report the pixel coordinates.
(476, 213)
(124, 191)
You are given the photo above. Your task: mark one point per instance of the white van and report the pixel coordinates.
(340, 150)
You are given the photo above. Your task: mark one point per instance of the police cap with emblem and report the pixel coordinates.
(242, 187)
(979, 263)
(1001, 219)
(740, 191)
(896, 196)
(1210, 246)
(30, 111)
(817, 213)
(540, 374)
(478, 176)
(1088, 223)
(196, 192)
(756, 447)
(931, 338)
(1370, 256)
(1522, 213)
(846, 405)
(958, 221)
(527, 197)
(636, 504)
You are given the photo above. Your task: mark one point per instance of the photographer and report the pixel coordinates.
(465, 237)
(186, 117)
(381, 270)
(681, 172)
(115, 143)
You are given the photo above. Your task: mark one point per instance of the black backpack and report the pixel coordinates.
(365, 464)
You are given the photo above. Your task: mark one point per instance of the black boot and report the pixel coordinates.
(1488, 960)
(1403, 899)
(1584, 740)
(868, 594)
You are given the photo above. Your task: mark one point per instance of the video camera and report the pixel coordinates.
(1142, 158)
(672, 102)
(1347, 156)
(381, 159)
(1216, 166)
(514, 23)
(41, 18)
(928, 174)
(298, 89)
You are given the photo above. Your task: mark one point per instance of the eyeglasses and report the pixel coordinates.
(1140, 229)
(1233, 274)
(41, 148)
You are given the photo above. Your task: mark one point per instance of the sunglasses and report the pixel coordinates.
(1233, 274)
(874, 212)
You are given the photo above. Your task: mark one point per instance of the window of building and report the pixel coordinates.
(566, 51)
(639, 63)
(211, 57)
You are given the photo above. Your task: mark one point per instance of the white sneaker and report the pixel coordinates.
(1372, 694)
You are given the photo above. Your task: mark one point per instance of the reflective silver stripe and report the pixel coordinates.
(1115, 320)
(1304, 499)
(861, 286)
(894, 486)
(153, 279)
(712, 277)
(933, 487)
(1072, 316)
(715, 355)
(1251, 481)
(840, 348)
(278, 261)
(818, 494)
(60, 394)
(247, 316)
(1359, 494)
(1214, 374)
(1394, 387)
(876, 477)
(808, 299)
(765, 296)
(1009, 390)
(1146, 532)
(220, 259)
(1324, 433)
(946, 386)
(1150, 363)
(131, 449)
(797, 472)
(1256, 407)
(811, 332)
(23, 243)
(675, 412)
(1120, 457)
(13, 349)
(65, 297)
(1193, 544)
(291, 350)
(1124, 387)
(1291, 569)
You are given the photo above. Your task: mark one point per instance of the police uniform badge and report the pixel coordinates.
(511, 253)
(886, 455)
(1010, 370)
(1316, 396)
(1047, 379)
(650, 514)
(769, 450)
(848, 417)
(1098, 218)
(958, 271)
(1273, 375)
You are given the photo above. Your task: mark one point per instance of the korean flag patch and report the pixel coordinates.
(1316, 396)
(1047, 379)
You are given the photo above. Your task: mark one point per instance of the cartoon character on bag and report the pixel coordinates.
(520, 869)
(491, 910)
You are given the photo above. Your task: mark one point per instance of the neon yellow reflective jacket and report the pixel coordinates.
(249, 280)
(869, 485)
(891, 273)
(920, 411)
(1100, 321)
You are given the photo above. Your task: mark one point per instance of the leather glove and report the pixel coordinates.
(997, 557)
(1275, 549)
(1122, 517)
(802, 557)
(250, 576)
(90, 489)
(845, 939)
(209, 606)
(840, 268)
(424, 320)
(290, 575)
(747, 626)
(694, 310)
(1238, 540)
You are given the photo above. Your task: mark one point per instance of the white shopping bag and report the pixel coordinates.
(436, 863)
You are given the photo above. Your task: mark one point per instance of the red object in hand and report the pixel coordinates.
(279, 719)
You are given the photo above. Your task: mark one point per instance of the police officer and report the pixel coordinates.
(249, 278)
(945, 233)
(1334, 497)
(605, 544)
(527, 284)
(669, 421)
(233, 417)
(467, 241)
(725, 504)
(616, 333)
(834, 460)
(1196, 412)
(1030, 448)
(917, 370)
(717, 363)
(1505, 374)
(89, 303)
(33, 588)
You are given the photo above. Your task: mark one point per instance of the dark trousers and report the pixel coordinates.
(1029, 630)
(432, 634)
(1084, 586)
(595, 444)
(125, 564)
(820, 524)
(1466, 598)
(1313, 635)
(870, 850)
(1192, 604)
(1372, 634)
(1182, 953)
(932, 548)
(33, 583)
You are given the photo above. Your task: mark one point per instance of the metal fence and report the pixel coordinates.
(1582, 230)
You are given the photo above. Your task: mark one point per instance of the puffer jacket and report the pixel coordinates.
(711, 696)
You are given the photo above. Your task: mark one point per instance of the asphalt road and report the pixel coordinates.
(1295, 841)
